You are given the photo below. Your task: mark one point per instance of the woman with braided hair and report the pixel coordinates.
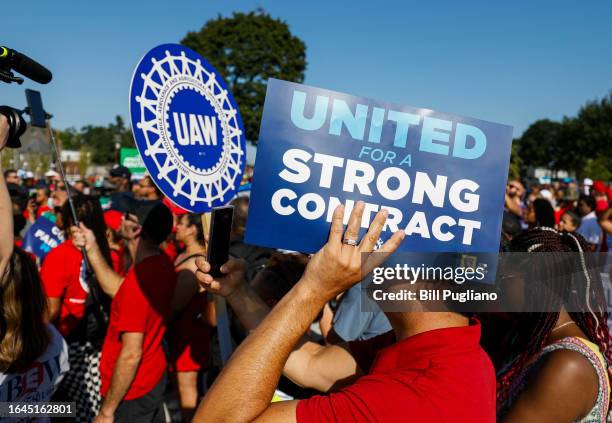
(552, 366)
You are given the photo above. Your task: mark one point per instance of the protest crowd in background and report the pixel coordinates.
(108, 303)
(145, 252)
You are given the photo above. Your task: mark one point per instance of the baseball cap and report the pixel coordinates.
(112, 218)
(174, 209)
(547, 195)
(154, 217)
(120, 171)
(599, 186)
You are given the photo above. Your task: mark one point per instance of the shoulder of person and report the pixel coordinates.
(569, 365)
(569, 378)
(184, 261)
(57, 253)
(180, 257)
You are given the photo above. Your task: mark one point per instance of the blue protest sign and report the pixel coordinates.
(187, 128)
(441, 177)
(42, 236)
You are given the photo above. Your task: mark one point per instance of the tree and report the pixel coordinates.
(247, 50)
(580, 145)
(599, 168)
(101, 140)
(84, 161)
(516, 162)
(69, 138)
(593, 139)
(539, 144)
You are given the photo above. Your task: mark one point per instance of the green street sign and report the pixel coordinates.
(130, 158)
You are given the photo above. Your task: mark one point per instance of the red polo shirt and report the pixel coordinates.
(141, 305)
(441, 375)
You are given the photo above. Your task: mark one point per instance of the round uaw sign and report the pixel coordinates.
(187, 128)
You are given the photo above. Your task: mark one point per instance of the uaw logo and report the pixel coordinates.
(187, 128)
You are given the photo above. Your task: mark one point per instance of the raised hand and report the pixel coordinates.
(82, 236)
(344, 261)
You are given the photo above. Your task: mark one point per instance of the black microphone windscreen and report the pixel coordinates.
(31, 69)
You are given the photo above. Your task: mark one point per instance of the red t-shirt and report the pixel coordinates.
(117, 261)
(63, 276)
(141, 305)
(437, 376)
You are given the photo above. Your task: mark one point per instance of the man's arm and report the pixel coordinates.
(31, 211)
(325, 322)
(309, 365)
(252, 374)
(123, 374)
(324, 368)
(6, 208)
(54, 305)
(109, 280)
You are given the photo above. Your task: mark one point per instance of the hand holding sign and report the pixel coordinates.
(225, 286)
(340, 263)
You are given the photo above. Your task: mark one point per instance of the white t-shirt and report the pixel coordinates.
(590, 229)
(40, 380)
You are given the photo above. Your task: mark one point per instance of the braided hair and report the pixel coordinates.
(531, 330)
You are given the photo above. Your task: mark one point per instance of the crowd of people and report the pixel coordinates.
(121, 317)
(564, 205)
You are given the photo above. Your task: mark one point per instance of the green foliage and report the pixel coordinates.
(539, 144)
(84, 160)
(581, 145)
(599, 168)
(100, 140)
(516, 162)
(5, 158)
(248, 49)
(69, 138)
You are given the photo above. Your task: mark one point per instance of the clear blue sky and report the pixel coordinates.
(511, 63)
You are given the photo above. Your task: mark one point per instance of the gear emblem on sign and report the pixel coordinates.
(187, 128)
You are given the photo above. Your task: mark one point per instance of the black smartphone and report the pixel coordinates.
(219, 238)
(36, 112)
